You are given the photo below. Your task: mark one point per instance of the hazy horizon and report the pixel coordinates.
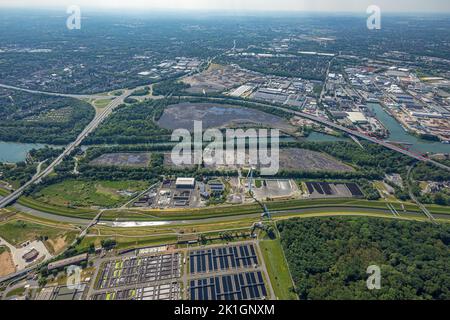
(243, 6)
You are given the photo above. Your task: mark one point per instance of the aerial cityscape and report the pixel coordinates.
(224, 154)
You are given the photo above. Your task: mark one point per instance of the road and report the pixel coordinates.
(413, 197)
(55, 94)
(89, 129)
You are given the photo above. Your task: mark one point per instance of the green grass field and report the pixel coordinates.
(101, 103)
(277, 269)
(57, 210)
(19, 231)
(78, 193)
(3, 192)
(3, 249)
(16, 292)
(128, 242)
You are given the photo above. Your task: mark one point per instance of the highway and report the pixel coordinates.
(89, 129)
(55, 94)
(413, 197)
(368, 138)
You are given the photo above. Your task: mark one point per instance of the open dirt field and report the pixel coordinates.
(57, 245)
(297, 160)
(141, 159)
(6, 262)
(218, 116)
(218, 78)
(306, 160)
(169, 163)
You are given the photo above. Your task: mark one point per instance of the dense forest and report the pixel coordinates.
(37, 118)
(132, 124)
(168, 87)
(329, 257)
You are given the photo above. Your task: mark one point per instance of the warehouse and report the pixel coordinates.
(185, 183)
(357, 117)
(30, 255)
(66, 262)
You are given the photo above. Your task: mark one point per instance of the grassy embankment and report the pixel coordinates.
(278, 269)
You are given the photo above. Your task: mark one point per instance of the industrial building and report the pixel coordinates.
(357, 117)
(30, 255)
(67, 262)
(185, 183)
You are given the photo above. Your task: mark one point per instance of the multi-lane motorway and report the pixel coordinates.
(89, 129)
(54, 94)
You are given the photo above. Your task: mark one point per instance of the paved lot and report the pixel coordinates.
(17, 253)
(275, 189)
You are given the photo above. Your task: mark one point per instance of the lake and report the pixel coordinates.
(14, 152)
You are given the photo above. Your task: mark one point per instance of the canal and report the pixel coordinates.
(397, 133)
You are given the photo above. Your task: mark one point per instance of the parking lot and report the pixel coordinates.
(134, 270)
(241, 286)
(222, 259)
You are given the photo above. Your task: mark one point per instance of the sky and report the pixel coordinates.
(243, 5)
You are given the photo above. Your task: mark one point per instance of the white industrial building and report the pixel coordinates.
(185, 183)
(357, 117)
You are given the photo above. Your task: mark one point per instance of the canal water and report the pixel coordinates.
(15, 152)
(397, 133)
(322, 137)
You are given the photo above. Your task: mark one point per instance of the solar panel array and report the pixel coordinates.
(242, 286)
(224, 258)
(354, 189)
(320, 187)
(324, 188)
